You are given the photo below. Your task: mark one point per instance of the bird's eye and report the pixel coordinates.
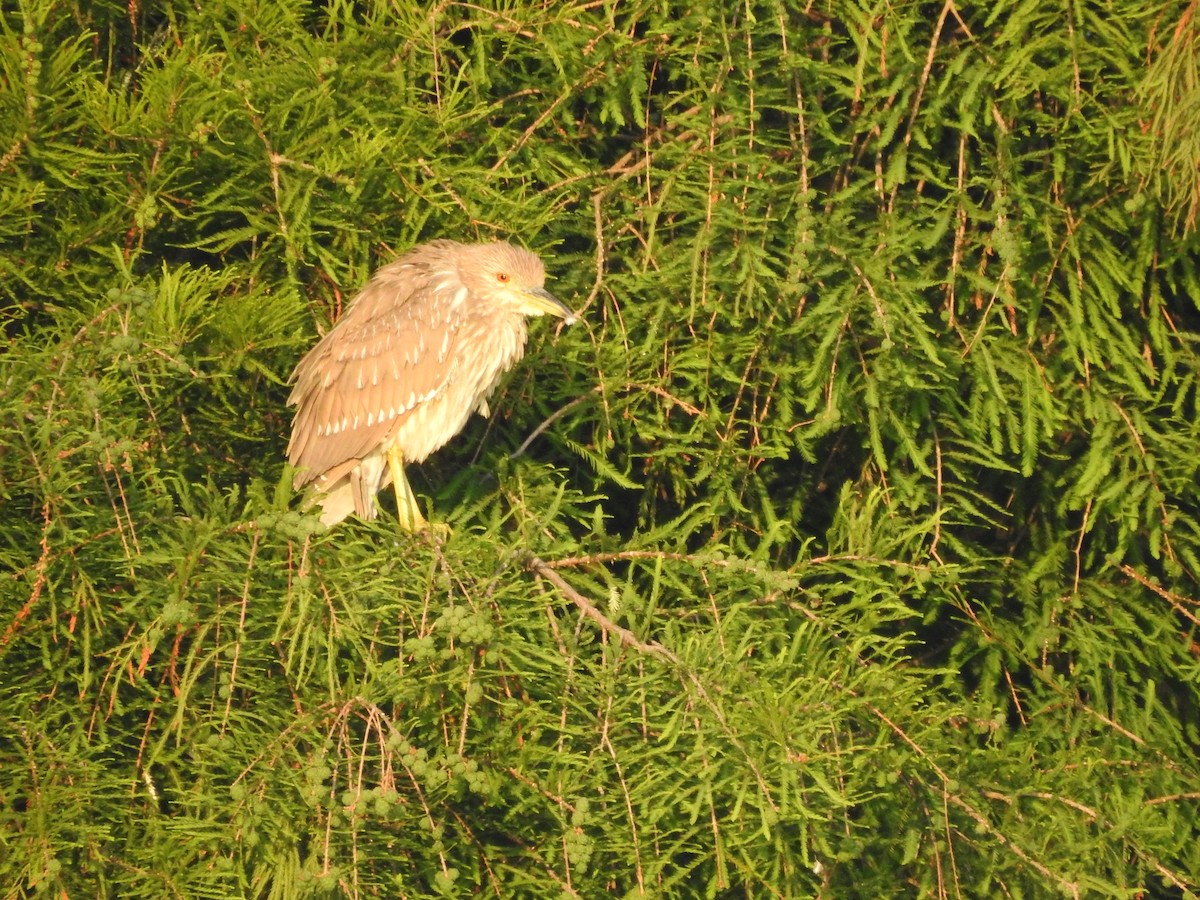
(502, 277)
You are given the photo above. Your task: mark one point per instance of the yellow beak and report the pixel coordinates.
(539, 301)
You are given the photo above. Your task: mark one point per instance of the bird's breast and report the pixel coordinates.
(483, 350)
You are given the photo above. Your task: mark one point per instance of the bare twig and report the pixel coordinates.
(655, 649)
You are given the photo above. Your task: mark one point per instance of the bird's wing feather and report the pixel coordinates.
(392, 351)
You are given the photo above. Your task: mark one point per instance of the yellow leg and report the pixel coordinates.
(406, 502)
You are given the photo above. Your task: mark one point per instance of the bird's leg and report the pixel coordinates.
(406, 502)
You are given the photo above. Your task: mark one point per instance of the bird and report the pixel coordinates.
(421, 347)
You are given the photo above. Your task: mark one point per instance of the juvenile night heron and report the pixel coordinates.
(418, 350)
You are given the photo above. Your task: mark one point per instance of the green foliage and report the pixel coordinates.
(848, 546)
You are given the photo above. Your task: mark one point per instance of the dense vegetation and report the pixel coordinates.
(848, 546)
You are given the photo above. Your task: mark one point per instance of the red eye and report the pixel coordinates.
(502, 277)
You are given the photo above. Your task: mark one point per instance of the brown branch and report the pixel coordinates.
(649, 648)
(39, 582)
(974, 814)
(1177, 602)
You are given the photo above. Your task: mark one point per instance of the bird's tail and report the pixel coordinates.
(351, 491)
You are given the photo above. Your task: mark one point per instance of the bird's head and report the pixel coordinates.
(512, 277)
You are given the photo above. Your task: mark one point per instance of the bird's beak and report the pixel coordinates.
(539, 301)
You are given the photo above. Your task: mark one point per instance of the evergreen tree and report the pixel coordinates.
(848, 546)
